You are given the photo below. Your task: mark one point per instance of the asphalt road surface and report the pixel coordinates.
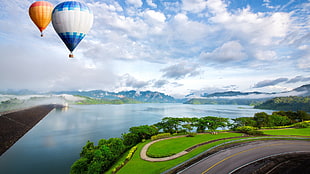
(229, 159)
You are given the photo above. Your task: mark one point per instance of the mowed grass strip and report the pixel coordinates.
(173, 146)
(292, 132)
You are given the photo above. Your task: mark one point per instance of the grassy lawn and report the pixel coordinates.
(294, 132)
(173, 146)
(137, 165)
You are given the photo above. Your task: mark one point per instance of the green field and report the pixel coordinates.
(293, 132)
(172, 146)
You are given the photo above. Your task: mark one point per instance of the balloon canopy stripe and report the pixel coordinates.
(41, 3)
(71, 5)
(71, 39)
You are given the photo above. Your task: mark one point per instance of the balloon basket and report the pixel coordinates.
(71, 55)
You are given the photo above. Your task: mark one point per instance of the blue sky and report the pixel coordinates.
(175, 47)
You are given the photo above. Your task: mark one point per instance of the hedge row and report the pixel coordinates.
(160, 136)
(128, 157)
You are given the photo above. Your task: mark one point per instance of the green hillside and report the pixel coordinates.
(293, 103)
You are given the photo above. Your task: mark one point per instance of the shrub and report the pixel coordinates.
(131, 152)
(255, 132)
(191, 134)
(245, 129)
(160, 136)
(128, 157)
(302, 125)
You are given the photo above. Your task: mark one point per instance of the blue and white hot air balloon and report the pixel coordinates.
(72, 20)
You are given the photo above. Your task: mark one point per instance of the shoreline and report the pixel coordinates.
(16, 123)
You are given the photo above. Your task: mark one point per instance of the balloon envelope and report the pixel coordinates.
(72, 20)
(40, 13)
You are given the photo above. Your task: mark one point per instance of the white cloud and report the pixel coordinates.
(230, 51)
(304, 62)
(181, 70)
(273, 82)
(128, 81)
(266, 55)
(151, 3)
(135, 3)
(250, 26)
(153, 15)
(182, 28)
(194, 6)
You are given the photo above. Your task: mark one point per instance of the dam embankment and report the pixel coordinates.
(15, 124)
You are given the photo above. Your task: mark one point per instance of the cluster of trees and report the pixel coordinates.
(185, 125)
(278, 118)
(95, 159)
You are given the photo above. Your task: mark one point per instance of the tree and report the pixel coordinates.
(107, 157)
(116, 146)
(244, 121)
(144, 132)
(215, 122)
(210, 122)
(169, 125)
(303, 115)
(188, 127)
(201, 125)
(80, 166)
(294, 116)
(188, 123)
(87, 151)
(261, 119)
(130, 139)
(278, 120)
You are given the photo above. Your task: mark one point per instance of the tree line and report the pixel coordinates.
(95, 159)
(293, 103)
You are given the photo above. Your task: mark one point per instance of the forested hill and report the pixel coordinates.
(292, 103)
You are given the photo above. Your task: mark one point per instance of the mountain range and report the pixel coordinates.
(228, 97)
(141, 96)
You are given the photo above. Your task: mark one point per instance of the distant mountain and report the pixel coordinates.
(303, 88)
(241, 98)
(290, 103)
(301, 91)
(142, 96)
(231, 94)
(223, 101)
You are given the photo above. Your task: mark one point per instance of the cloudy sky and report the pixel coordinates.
(172, 46)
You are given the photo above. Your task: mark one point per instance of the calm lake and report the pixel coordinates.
(56, 141)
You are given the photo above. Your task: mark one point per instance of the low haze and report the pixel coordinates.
(175, 47)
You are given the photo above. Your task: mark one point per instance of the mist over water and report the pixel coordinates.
(13, 102)
(56, 141)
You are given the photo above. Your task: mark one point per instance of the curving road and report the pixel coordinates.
(229, 159)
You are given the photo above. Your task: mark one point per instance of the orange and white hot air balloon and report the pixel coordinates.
(40, 13)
